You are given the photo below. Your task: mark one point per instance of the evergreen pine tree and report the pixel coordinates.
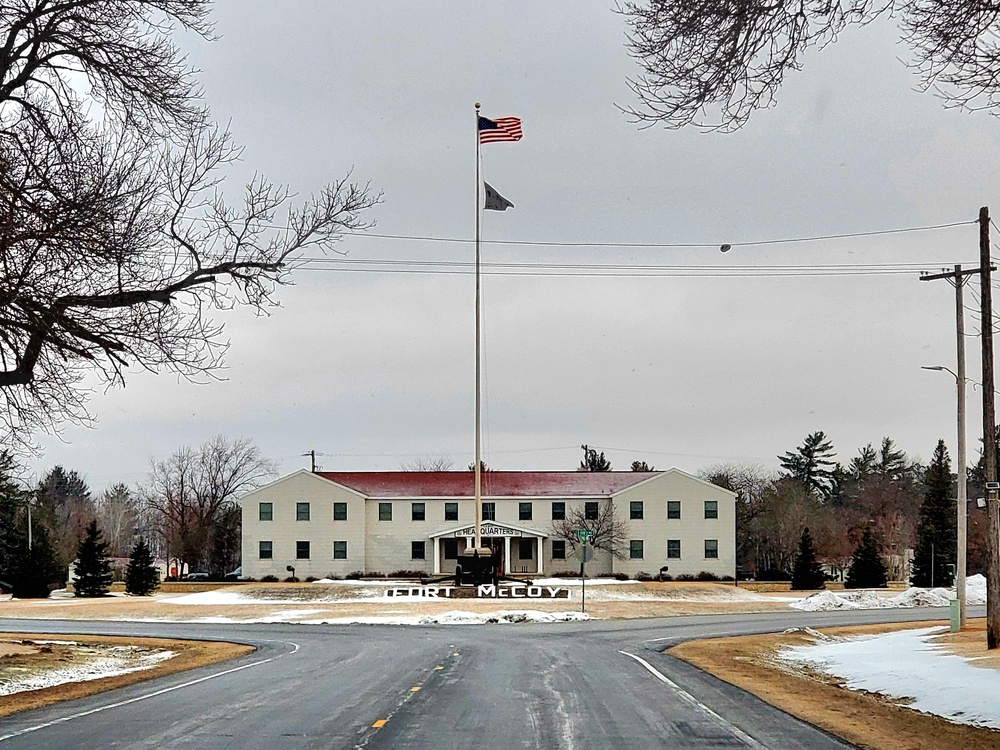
(64, 505)
(13, 500)
(867, 567)
(593, 461)
(807, 573)
(93, 567)
(141, 576)
(812, 463)
(33, 571)
(936, 538)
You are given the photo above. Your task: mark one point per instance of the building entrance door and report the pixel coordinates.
(496, 544)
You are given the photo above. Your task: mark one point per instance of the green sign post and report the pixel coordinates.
(584, 553)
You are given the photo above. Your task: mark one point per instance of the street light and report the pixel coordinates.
(961, 505)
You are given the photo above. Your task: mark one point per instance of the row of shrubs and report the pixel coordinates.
(353, 576)
(644, 576)
(640, 576)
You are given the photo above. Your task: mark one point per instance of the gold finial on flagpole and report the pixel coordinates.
(478, 105)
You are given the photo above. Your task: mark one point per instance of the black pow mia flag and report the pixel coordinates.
(495, 201)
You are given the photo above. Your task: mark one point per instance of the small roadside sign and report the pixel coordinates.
(585, 553)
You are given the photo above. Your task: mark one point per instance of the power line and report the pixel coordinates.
(431, 267)
(690, 245)
(713, 456)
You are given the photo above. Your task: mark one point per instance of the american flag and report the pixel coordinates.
(500, 129)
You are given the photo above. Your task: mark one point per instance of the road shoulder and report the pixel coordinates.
(863, 719)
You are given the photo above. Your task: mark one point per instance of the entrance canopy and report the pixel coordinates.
(490, 529)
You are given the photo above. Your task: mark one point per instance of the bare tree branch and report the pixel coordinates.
(116, 242)
(712, 63)
(608, 531)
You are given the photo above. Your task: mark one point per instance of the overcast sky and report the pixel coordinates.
(374, 369)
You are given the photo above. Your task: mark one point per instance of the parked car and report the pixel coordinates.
(5, 588)
(197, 576)
(235, 575)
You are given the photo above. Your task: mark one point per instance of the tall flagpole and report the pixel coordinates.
(478, 465)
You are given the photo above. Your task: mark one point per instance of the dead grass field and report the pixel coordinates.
(660, 600)
(864, 719)
(18, 649)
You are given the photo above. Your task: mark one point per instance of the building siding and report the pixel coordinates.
(692, 529)
(320, 530)
(381, 546)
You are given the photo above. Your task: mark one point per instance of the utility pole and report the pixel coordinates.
(958, 279)
(989, 438)
(312, 457)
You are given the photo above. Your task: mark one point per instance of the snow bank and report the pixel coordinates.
(975, 589)
(826, 601)
(915, 597)
(908, 667)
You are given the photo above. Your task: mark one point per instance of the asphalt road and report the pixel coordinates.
(601, 684)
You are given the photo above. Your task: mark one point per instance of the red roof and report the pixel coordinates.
(495, 483)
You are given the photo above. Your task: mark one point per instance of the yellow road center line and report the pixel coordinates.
(414, 689)
(436, 668)
(379, 724)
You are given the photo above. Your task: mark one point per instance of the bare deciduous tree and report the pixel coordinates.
(608, 530)
(428, 463)
(116, 243)
(195, 490)
(713, 63)
(787, 508)
(751, 483)
(119, 516)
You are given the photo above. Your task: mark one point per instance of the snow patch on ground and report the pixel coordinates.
(288, 615)
(908, 667)
(370, 582)
(579, 582)
(114, 661)
(705, 593)
(598, 589)
(220, 597)
(457, 617)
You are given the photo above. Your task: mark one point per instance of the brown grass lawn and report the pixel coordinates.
(18, 651)
(663, 600)
(864, 719)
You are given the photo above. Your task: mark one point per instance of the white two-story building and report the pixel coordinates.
(334, 523)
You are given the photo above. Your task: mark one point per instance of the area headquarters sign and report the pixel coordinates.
(489, 529)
